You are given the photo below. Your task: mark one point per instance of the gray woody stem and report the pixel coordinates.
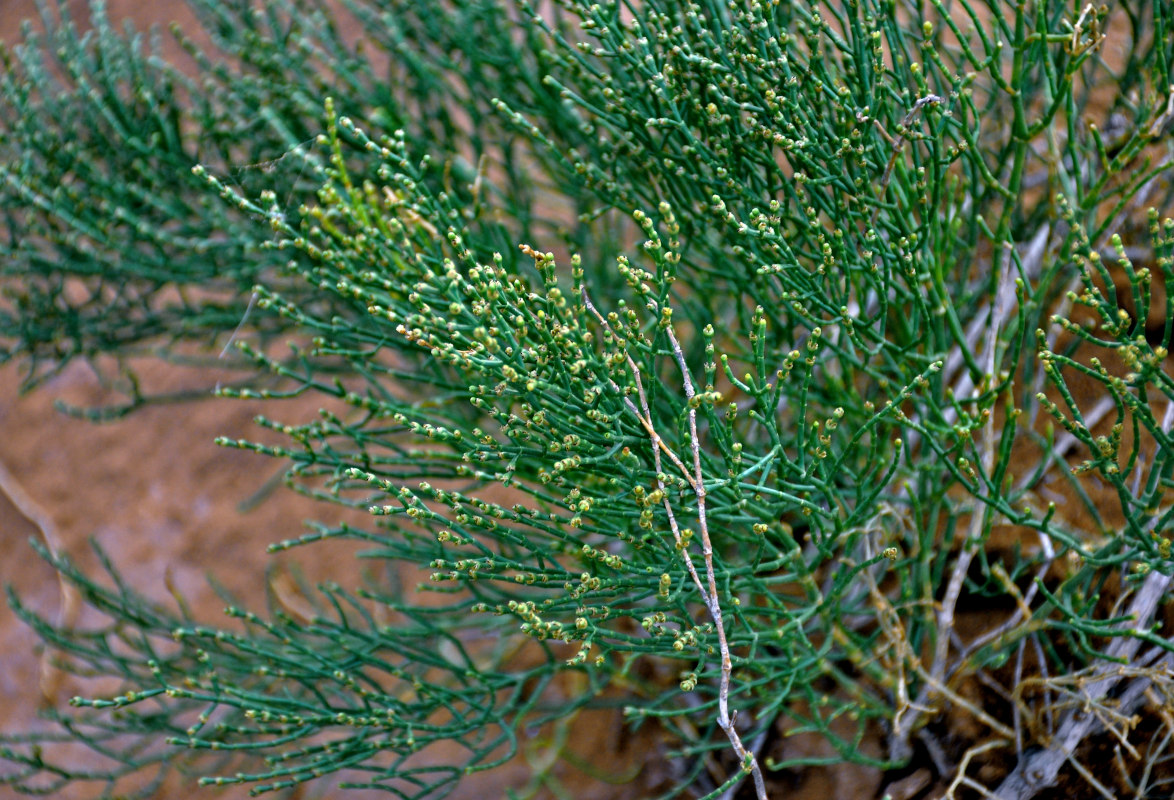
(708, 588)
(1039, 770)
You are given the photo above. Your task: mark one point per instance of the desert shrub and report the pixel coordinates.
(724, 342)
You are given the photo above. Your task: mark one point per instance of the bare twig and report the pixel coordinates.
(961, 778)
(897, 143)
(644, 415)
(67, 617)
(725, 720)
(709, 592)
(755, 749)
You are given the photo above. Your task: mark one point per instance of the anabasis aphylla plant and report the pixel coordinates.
(725, 339)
